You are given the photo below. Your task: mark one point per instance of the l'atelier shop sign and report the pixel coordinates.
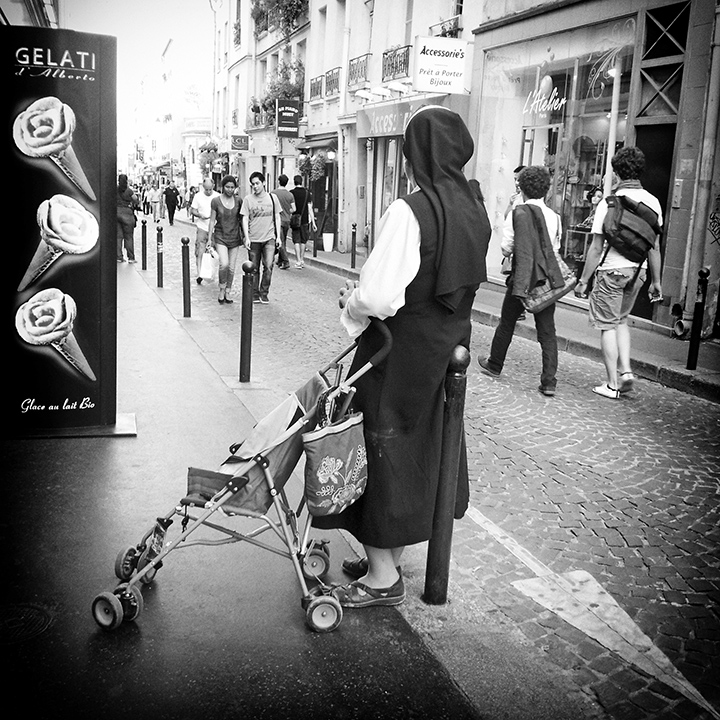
(61, 271)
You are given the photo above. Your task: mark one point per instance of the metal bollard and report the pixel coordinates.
(143, 242)
(696, 329)
(353, 246)
(159, 257)
(437, 569)
(248, 268)
(186, 275)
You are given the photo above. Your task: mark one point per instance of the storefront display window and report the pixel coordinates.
(390, 163)
(549, 101)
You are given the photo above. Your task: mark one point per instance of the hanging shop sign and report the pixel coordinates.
(239, 143)
(287, 113)
(441, 65)
(61, 272)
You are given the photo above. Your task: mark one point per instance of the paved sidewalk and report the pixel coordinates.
(627, 496)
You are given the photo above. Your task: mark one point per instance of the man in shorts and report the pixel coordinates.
(618, 280)
(303, 206)
(200, 212)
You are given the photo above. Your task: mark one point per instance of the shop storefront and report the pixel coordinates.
(573, 92)
(380, 130)
(549, 102)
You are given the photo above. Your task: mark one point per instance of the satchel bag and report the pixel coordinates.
(296, 217)
(543, 295)
(336, 465)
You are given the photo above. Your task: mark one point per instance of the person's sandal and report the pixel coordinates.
(606, 391)
(627, 380)
(359, 595)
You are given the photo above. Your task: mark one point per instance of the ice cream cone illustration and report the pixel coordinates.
(45, 130)
(47, 319)
(65, 227)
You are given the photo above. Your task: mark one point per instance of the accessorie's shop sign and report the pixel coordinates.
(441, 65)
(60, 274)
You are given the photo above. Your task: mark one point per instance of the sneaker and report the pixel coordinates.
(487, 369)
(264, 300)
(627, 380)
(198, 281)
(606, 391)
(132, 260)
(550, 392)
(256, 300)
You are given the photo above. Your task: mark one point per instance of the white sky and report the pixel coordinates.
(143, 29)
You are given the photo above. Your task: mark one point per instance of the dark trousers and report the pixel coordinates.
(171, 213)
(282, 252)
(512, 309)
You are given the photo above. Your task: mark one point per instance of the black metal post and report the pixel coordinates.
(437, 569)
(159, 257)
(696, 330)
(248, 268)
(353, 246)
(186, 275)
(143, 235)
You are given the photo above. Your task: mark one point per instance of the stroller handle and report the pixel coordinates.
(383, 352)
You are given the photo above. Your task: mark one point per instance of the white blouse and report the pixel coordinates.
(390, 268)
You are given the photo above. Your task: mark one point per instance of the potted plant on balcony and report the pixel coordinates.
(283, 14)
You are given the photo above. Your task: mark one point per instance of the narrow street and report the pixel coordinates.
(626, 491)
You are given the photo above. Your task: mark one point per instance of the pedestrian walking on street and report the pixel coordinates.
(171, 196)
(617, 279)
(145, 199)
(200, 211)
(224, 235)
(421, 278)
(531, 235)
(127, 203)
(287, 208)
(304, 219)
(260, 214)
(155, 199)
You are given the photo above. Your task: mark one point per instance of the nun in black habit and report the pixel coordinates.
(421, 278)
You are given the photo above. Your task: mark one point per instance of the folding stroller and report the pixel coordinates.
(247, 485)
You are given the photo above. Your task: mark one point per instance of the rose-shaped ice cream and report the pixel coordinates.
(46, 318)
(45, 128)
(66, 225)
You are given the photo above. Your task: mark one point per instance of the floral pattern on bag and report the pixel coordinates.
(331, 483)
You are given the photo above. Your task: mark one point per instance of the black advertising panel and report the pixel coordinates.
(59, 153)
(288, 118)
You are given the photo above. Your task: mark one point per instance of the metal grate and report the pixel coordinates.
(22, 622)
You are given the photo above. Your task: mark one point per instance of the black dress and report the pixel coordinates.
(402, 402)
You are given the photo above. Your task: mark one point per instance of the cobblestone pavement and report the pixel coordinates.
(627, 491)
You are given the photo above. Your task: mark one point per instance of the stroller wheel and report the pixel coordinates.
(323, 614)
(131, 600)
(316, 564)
(107, 611)
(125, 563)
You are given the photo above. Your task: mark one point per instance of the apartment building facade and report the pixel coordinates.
(561, 83)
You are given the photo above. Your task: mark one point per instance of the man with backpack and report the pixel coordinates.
(625, 244)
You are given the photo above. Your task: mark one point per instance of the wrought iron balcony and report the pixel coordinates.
(316, 87)
(358, 70)
(332, 82)
(447, 28)
(396, 63)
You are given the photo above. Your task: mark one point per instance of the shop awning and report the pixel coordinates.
(326, 142)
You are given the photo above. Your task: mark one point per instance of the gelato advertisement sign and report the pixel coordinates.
(59, 154)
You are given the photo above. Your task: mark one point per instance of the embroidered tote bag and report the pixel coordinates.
(336, 465)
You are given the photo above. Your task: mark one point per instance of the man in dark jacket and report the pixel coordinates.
(531, 244)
